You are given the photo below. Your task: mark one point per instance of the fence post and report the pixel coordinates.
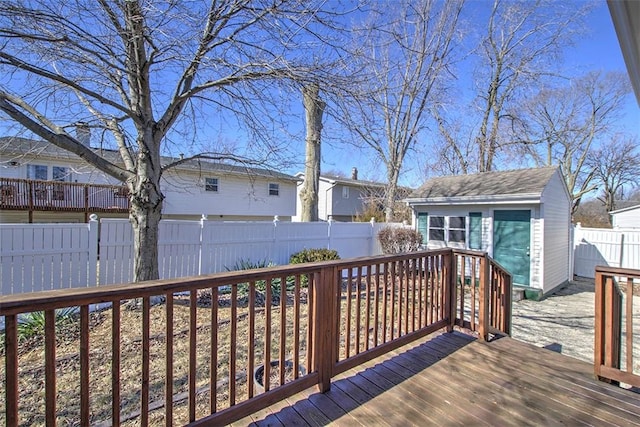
(274, 250)
(93, 250)
(329, 234)
(203, 220)
(372, 241)
(483, 312)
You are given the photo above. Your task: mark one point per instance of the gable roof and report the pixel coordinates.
(519, 183)
(17, 146)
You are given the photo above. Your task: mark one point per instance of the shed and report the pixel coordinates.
(521, 218)
(628, 217)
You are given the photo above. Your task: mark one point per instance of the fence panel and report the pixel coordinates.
(224, 244)
(292, 237)
(351, 239)
(179, 248)
(40, 257)
(606, 247)
(116, 251)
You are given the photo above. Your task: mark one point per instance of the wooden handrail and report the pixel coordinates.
(352, 310)
(611, 306)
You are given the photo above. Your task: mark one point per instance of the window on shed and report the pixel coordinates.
(423, 225)
(274, 189)
(457, 229)
(436, 228)
(475, 230)
(211, 184)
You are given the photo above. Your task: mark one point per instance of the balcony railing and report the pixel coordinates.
(34, 195)
(614, 333)
(186, 350)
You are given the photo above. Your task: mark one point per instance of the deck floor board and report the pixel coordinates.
(452, 379)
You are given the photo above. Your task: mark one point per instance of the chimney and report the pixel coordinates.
(83, 133)
(354, 174)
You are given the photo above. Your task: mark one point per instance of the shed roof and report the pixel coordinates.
(531, 182)
(628, 208)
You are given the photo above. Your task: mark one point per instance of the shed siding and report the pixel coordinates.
(557, 224)
(626, 219)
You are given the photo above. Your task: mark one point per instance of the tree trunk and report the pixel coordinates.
(145, 214)
(314, 107)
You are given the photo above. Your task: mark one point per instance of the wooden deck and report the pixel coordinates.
(453, 379)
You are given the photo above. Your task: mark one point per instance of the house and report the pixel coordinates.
(628, 217)
(40, 182)
(339, 198)
(521, 218)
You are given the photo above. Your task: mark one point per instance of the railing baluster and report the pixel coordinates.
(84, 365)
(367, 318)
(385, 302)
(50, 366)
(193, 300)
(115, 363)
(144, 395)
(283, 327)
(629, 324)
(233, 350)
(267, 336)
(296, 327)
(347, 332)
(168, 371)
(213, 365)
(358, 309)
(251, 344)
(376, 304)
(11, 369)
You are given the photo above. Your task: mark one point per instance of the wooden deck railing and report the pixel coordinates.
(34, 195)
(614, 333)
(190, 350)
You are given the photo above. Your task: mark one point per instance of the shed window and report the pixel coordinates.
(274, 189)
(457, 229)
(436, 228)
(211, 184)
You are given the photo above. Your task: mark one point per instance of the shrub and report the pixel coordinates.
(395, 240)
(313, 255)
(32, 324)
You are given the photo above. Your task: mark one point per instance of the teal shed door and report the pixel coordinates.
(511, 240)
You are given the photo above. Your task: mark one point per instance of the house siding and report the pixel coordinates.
(557, 228)
(626, 219)
(236, 197)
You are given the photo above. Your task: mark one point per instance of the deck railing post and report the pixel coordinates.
(598, 353)
(450, 269)
(324, 325)
(483, 312)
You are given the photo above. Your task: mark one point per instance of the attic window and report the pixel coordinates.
(345, 192)
(274, 189)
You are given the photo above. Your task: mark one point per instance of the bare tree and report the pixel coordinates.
(519, 49)
(133, 68)
(559, 125)
(403, 53)
(314, 107)
(615, 165)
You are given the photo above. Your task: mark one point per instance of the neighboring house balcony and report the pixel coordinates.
(35, 195)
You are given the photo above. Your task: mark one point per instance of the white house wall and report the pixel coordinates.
(186, 195)
(556, 235)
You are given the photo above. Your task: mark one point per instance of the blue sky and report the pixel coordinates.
(597, 50)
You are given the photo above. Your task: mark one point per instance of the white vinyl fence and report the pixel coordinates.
(36, 257)
(608, 247)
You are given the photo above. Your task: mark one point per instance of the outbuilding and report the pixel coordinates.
(521, 218)
(628, 217)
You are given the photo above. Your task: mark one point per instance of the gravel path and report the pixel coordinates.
(564, 322)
